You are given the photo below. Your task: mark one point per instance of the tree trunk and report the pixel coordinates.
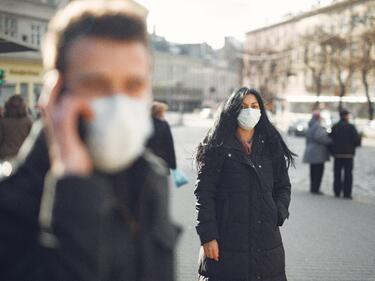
(318, 82)
(342, 93)
(342, 87)
(365, 84)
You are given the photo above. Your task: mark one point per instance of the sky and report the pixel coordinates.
(196, 21)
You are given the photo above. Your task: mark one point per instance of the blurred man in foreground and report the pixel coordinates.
(86, 201)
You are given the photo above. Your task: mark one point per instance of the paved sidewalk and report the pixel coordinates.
(329, 239)
(326, 239)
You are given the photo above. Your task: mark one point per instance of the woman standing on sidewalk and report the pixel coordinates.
(316, 152)
(243, 193)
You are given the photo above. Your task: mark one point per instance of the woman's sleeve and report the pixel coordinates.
(205, 192)
(282, 189)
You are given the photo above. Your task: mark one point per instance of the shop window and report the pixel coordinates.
(7, 90)
(24, 91)
(37, 89)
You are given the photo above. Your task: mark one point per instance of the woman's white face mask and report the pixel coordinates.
(248, 118)
(117, 135)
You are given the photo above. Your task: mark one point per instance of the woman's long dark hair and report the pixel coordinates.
(225, 126)
(15, 107)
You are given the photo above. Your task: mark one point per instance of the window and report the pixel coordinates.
(10, 26)
(24, 91)
(37, 89)
(36, 34)
(7, 90)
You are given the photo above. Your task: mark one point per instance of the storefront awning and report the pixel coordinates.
(8, 47)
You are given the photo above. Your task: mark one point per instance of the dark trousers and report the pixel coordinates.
(316, 174)
(343, 183)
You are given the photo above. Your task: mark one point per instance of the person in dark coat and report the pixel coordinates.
(316, 151)
(161, 143)
(243, 193)
(86, 201)
(345, 141)
(14, 127)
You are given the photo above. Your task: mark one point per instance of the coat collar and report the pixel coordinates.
(233, 143)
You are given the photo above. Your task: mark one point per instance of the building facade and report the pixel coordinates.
(189, 76)
(22, 26)
(317, 52)
(186, 76)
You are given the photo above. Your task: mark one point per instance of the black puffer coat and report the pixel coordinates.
(241, 202)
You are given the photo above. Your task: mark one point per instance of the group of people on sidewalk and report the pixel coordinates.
(341, 143)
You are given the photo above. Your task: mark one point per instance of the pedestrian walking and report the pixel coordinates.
(316, 151)
(86, 201)
(14, 127)
(345, 141)
(243, 193)
(161, 143)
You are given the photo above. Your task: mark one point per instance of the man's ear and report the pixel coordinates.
(52, 88)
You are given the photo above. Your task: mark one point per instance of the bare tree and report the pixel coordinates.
(366, 41)
(316, 57)
(342, 62)
(265, 71)
(366, 63)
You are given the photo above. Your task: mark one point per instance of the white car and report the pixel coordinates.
(369, 130)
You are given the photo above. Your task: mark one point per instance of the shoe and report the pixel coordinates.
(348, 197)
(337, 195)
(317, 192)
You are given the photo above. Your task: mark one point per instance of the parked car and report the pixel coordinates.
(298, 127)
(206, 113)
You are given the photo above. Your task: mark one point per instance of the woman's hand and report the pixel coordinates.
(211, 250)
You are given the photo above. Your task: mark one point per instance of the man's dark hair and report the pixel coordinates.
(102, 19)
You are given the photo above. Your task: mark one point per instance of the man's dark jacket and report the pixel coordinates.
(345, 139)
(92, 228)
(161, 143)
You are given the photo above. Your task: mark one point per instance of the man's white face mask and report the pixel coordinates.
(117, 135)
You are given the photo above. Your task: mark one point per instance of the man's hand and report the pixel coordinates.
(211, 250)
(60, 114)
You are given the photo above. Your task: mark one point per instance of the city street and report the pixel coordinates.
(325, 239)
(95, 72)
